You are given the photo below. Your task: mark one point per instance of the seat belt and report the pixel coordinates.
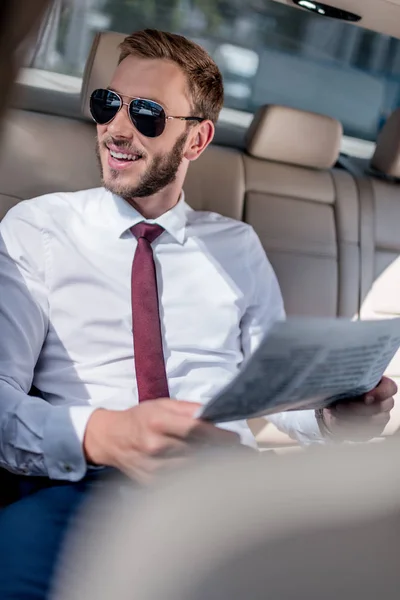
(366, 203)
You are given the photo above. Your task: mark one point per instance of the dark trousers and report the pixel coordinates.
(32, 531)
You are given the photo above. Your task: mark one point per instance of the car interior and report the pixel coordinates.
(315, 169)
(323, 200)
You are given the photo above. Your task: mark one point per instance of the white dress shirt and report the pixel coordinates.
(66, 324)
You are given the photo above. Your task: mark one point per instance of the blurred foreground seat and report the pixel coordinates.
(18, 20)
(323, 524)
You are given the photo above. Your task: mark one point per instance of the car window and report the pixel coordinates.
(268, 53)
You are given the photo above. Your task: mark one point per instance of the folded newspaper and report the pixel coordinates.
(308, 363)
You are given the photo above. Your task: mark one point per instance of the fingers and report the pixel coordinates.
(356, 417)
(176, 419)
(355, 428)
(163, 446)
(386, 389)
(184, 408)
(380, 421)
(195, 432)
(387, 405)
(170, 432)
(361, 409)
(368, 407)
(156, 435)
(181, 407)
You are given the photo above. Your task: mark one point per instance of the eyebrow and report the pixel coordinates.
(133, 97)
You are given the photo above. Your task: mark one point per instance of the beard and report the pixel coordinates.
(160, 173)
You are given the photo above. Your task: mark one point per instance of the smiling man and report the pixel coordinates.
(127, 310)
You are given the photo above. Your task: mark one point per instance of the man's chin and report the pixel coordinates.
(113, 177)
(117, 185)
(114, 185)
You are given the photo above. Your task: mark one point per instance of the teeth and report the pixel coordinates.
(122, 156)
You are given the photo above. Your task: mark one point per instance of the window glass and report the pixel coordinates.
(268, 53)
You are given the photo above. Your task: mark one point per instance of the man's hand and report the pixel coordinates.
(363, 418)
(154, 435)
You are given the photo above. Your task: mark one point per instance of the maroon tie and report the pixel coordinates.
(149, 358)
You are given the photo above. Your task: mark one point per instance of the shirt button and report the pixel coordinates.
(67, 468)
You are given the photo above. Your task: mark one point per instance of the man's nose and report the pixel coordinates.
(121, 125)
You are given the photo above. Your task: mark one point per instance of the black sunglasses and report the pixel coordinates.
(147, 116)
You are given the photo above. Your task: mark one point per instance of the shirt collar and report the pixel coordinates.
(122, 216)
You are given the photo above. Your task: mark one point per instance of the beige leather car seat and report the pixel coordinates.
(43, 154)
(304, 211)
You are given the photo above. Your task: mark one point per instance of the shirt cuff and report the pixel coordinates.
(300, 425)
(63, 442)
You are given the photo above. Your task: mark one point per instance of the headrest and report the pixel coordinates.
(296, 137)
(100, 66)
(387, 153)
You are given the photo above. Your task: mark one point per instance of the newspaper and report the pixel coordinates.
(307, 363)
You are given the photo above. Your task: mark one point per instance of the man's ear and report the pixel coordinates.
(201, 136)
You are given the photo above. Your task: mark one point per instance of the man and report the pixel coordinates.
(118, 301)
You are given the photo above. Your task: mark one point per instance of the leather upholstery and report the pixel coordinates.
(294, 137)
(307, 221)
(42, 154)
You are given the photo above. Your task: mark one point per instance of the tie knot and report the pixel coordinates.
(148, 231)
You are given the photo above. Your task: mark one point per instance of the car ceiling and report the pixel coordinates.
(382, 16)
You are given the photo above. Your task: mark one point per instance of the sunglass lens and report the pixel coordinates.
(104, 105)
(148, 117)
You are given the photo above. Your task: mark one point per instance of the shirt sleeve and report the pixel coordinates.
(264, 309)
(36, 438)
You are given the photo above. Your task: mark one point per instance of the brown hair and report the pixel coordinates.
(203, 76)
